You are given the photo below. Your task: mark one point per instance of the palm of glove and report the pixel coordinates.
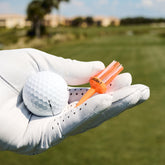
(23, 132)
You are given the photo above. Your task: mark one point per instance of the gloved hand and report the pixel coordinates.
(25, 133)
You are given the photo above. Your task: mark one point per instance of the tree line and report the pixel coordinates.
(140, 20)
(78, 21)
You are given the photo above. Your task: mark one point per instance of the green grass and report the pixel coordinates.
(136, 136)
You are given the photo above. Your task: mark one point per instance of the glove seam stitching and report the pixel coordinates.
(9, 84)
(34, 61)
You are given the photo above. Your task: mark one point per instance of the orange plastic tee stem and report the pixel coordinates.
(101, 80)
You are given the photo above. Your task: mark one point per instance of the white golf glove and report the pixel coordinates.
(25, 133)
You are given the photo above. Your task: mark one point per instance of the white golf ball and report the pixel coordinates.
(45, 93)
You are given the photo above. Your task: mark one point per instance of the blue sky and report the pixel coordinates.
(118, 8)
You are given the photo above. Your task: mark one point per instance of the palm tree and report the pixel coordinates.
(36, 11)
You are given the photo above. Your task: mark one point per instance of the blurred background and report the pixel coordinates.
(132, 32)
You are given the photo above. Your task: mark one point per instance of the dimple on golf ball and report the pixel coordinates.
(45, 93)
